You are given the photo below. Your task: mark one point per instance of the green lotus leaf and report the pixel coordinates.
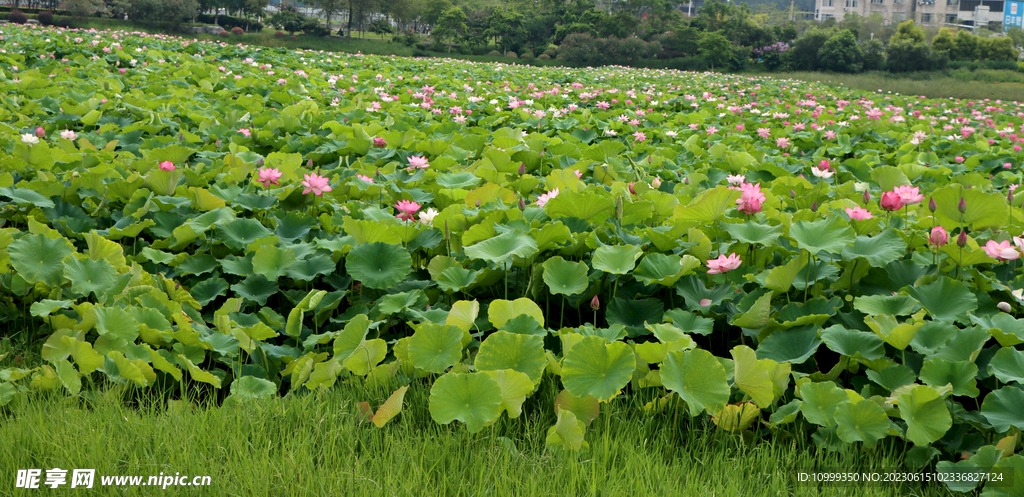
(752, 232)
(879, 250)
(25, 196)
(397, 302)
(785, 414)
(250, 387)
(293, 226)
(378, 265)
(689, 322)
(435, 347)
(458, 180)
(463, 314)
(351, 337)
(473, 398)
(933, 336)
(736, 417)
(1013, 470)
(501, 248)
(1007, 365)
(89, 276)
(633, 314)
(586, 409)
(68, 376)
(567, 432)
(662, 269)
(698, 378)
(308, 269)
(256, 288)
(820, 401)
(959, 477)
(965, 345)
(368, 354)
(46, 307)
(757, 316)
(984, 210)
(893, 305)
(751, 376)
(524, 325)
(864, 421)
(240, 232)
(565, 277)
(1004, 408)
(209, 289)
(780, 278)
(597, 368)
(1009, 332)
(616, 259)
(38, 258)
(946, 299)
(892, 377)
(794, 345)
(505, 350)
(894, 333)
(456, 279)
(693, 290)
(831, 235)
(926, 415)
(708, 208)
(961, 375)
(501, 311)
(271, 261)
(588, 206)
(851, 342)
(515, 387)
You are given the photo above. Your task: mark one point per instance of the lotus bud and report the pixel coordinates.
(379, 142)
(962, 206)
(522, 169)
(1009, 197)
(939, 237)
(931, 205)
(618, 209)
(1004, 306)
(814, 207)
(961, 241)
(631, 190)
(40, 132)
(686, 180)
(478, 203)
(522, 204)
(309, 163)
(181, 136)
(866, 197)
(792, 193)
(595, 303)
(259, 163)
(218, 143)
(824, 165)
(656, 183)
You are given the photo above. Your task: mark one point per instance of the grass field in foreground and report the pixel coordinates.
(313, 445)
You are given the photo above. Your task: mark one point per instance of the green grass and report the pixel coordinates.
(960, 83)
(313, 445)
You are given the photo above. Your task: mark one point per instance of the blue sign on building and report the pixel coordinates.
(1013, 14)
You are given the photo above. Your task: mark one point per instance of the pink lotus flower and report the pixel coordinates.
(891, 201)
(939, 237)
(723, 263)
(859, 213)
(1003, 251)
(543, 199)
(407, 209)
(316, 184)
(908, 194)
(365, 178)
(379, 142)
(245, 131)
(167, 166)
(782, 142)
(959, 160)
(704, 302)
(750, 198)
(640, 137)
(68, 134)
(269, 175)
(417, 161)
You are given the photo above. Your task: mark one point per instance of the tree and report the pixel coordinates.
(841, 53)
(905, 56)
(288, 19)
(330, 8)
(81, 8)
(715, 49)
(965, 47)
(451, 25)
(357, 13)
(943, 41)
(506, 27)
(381, 27)
(874, 55)
(909, 32)
(803, 53)
(997, 49)
(434, 9)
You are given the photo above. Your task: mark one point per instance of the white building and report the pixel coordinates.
(923, 12)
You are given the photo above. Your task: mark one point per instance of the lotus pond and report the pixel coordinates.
(214, 221)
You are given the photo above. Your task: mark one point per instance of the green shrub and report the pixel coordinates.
(494, 53)
(511, 55)
(45, 18)
(545, 56)
(905, 56)
(841, 53)
(17, 17)
(551, 52)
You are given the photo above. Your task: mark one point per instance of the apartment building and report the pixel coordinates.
(922, 12)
